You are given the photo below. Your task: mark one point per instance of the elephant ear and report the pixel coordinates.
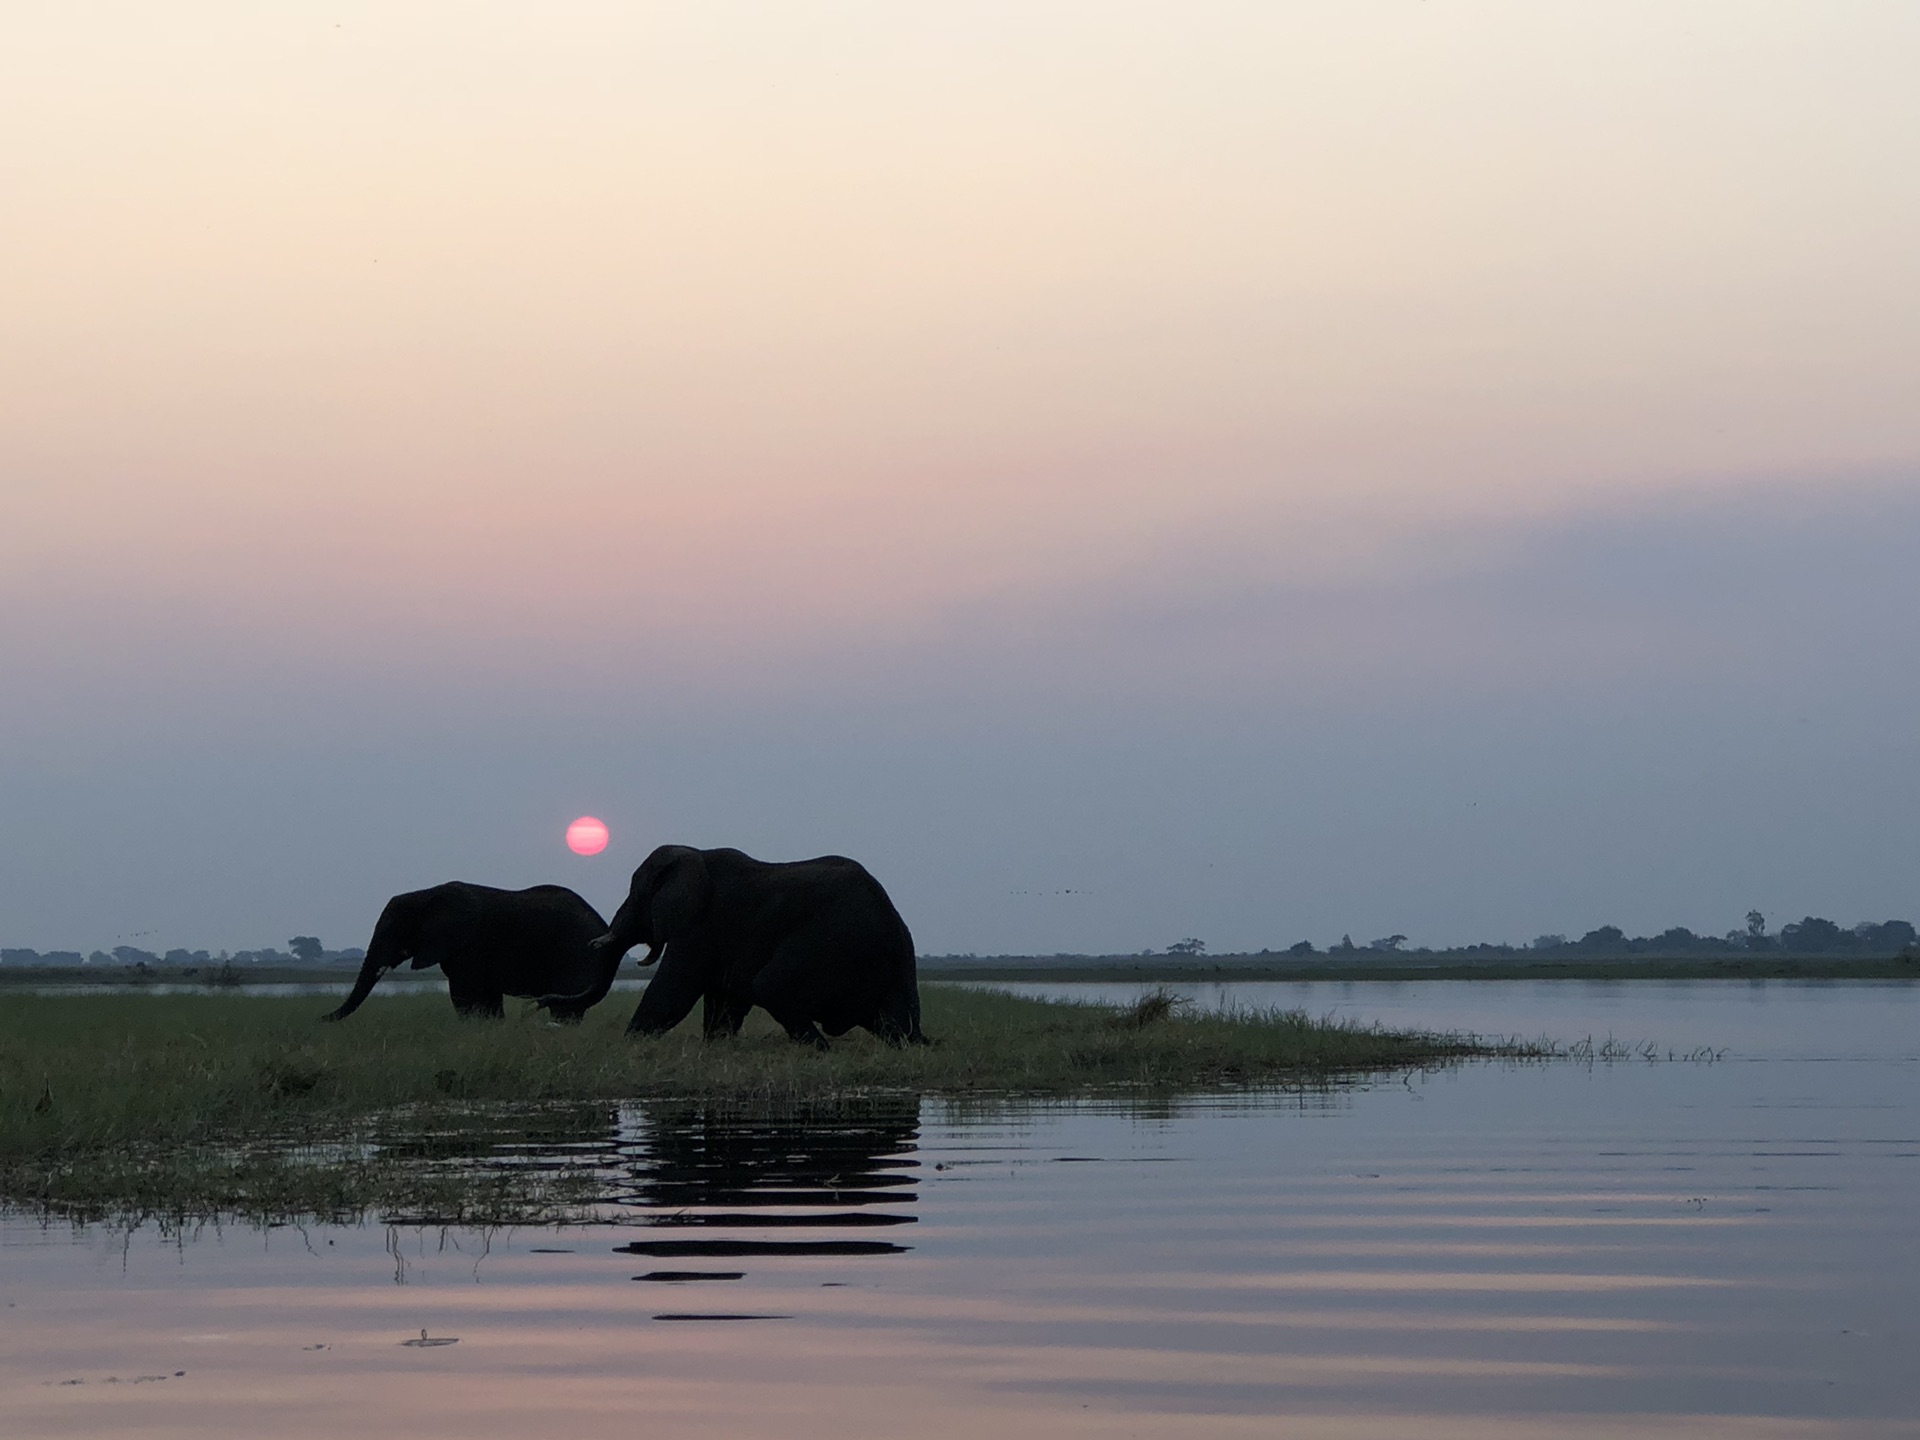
(681, 897)
(448, 914)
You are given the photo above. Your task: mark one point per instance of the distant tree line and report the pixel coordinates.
(1812, 935)
(301, 950)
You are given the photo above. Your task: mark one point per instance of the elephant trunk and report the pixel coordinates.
(610, 952)
(371, 969)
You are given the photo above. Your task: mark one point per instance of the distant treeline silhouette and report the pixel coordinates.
(302, 950)
(1811, 936)
(1870, 939)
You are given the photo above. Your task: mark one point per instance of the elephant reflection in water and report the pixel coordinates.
(832, 1170)
(717, 1185)
(683, 1170)
(688, 1157)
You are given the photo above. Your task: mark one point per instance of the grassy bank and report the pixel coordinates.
(198, 1104)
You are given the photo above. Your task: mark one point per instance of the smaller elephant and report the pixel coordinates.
(488, 943)
(815, 943)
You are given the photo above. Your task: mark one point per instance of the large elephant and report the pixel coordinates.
(815, 943)
(488, 943)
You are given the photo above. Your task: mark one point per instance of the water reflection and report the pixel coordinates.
(717, 1178)
(1643, 1250)
(690, 1169)
(655, 1163)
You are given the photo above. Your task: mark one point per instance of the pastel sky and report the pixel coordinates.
(1257, 471)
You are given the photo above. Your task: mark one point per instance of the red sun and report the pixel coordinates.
(587, 836)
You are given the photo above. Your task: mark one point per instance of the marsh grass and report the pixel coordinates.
(1159, 1003)
(206, 1104)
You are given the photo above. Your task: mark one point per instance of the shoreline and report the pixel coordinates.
(1236, 969)
(1145, 970)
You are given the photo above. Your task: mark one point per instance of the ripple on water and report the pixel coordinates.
(1637, 1249)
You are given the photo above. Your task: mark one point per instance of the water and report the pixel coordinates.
(1710, 1249)
(1757, 1020)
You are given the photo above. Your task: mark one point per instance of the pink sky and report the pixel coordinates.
(464, 312)
(719, 342)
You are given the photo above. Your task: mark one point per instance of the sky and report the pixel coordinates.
(1124, 472)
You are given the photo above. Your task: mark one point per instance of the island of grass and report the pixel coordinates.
(184, 1106)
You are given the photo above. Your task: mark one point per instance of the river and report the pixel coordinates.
(1715, 1244)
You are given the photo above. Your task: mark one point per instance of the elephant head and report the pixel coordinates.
(669, 893)
(415, 926)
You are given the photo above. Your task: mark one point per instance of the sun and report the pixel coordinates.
(587, 836)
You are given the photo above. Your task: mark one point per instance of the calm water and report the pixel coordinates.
(1652, 1249)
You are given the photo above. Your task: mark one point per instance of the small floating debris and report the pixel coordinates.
(549, 1252)
(117, 1380)
(425, 1343)
(322, 1347)
(683, 1277)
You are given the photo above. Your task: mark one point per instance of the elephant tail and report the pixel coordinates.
(915, 1035)
(900, 1021)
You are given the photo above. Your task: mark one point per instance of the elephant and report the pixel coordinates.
(815, 943)
(489, 943)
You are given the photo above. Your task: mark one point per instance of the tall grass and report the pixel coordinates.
(205, 1102)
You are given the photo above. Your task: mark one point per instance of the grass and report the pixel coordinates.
(216, 1104)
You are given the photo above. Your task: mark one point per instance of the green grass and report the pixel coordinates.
(207, 1105)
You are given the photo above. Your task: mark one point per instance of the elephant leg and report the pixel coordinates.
(476, 1002)
(804, 1032)
(722, 1014)
(786, 990)
(668, 998)
(895, 1024)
